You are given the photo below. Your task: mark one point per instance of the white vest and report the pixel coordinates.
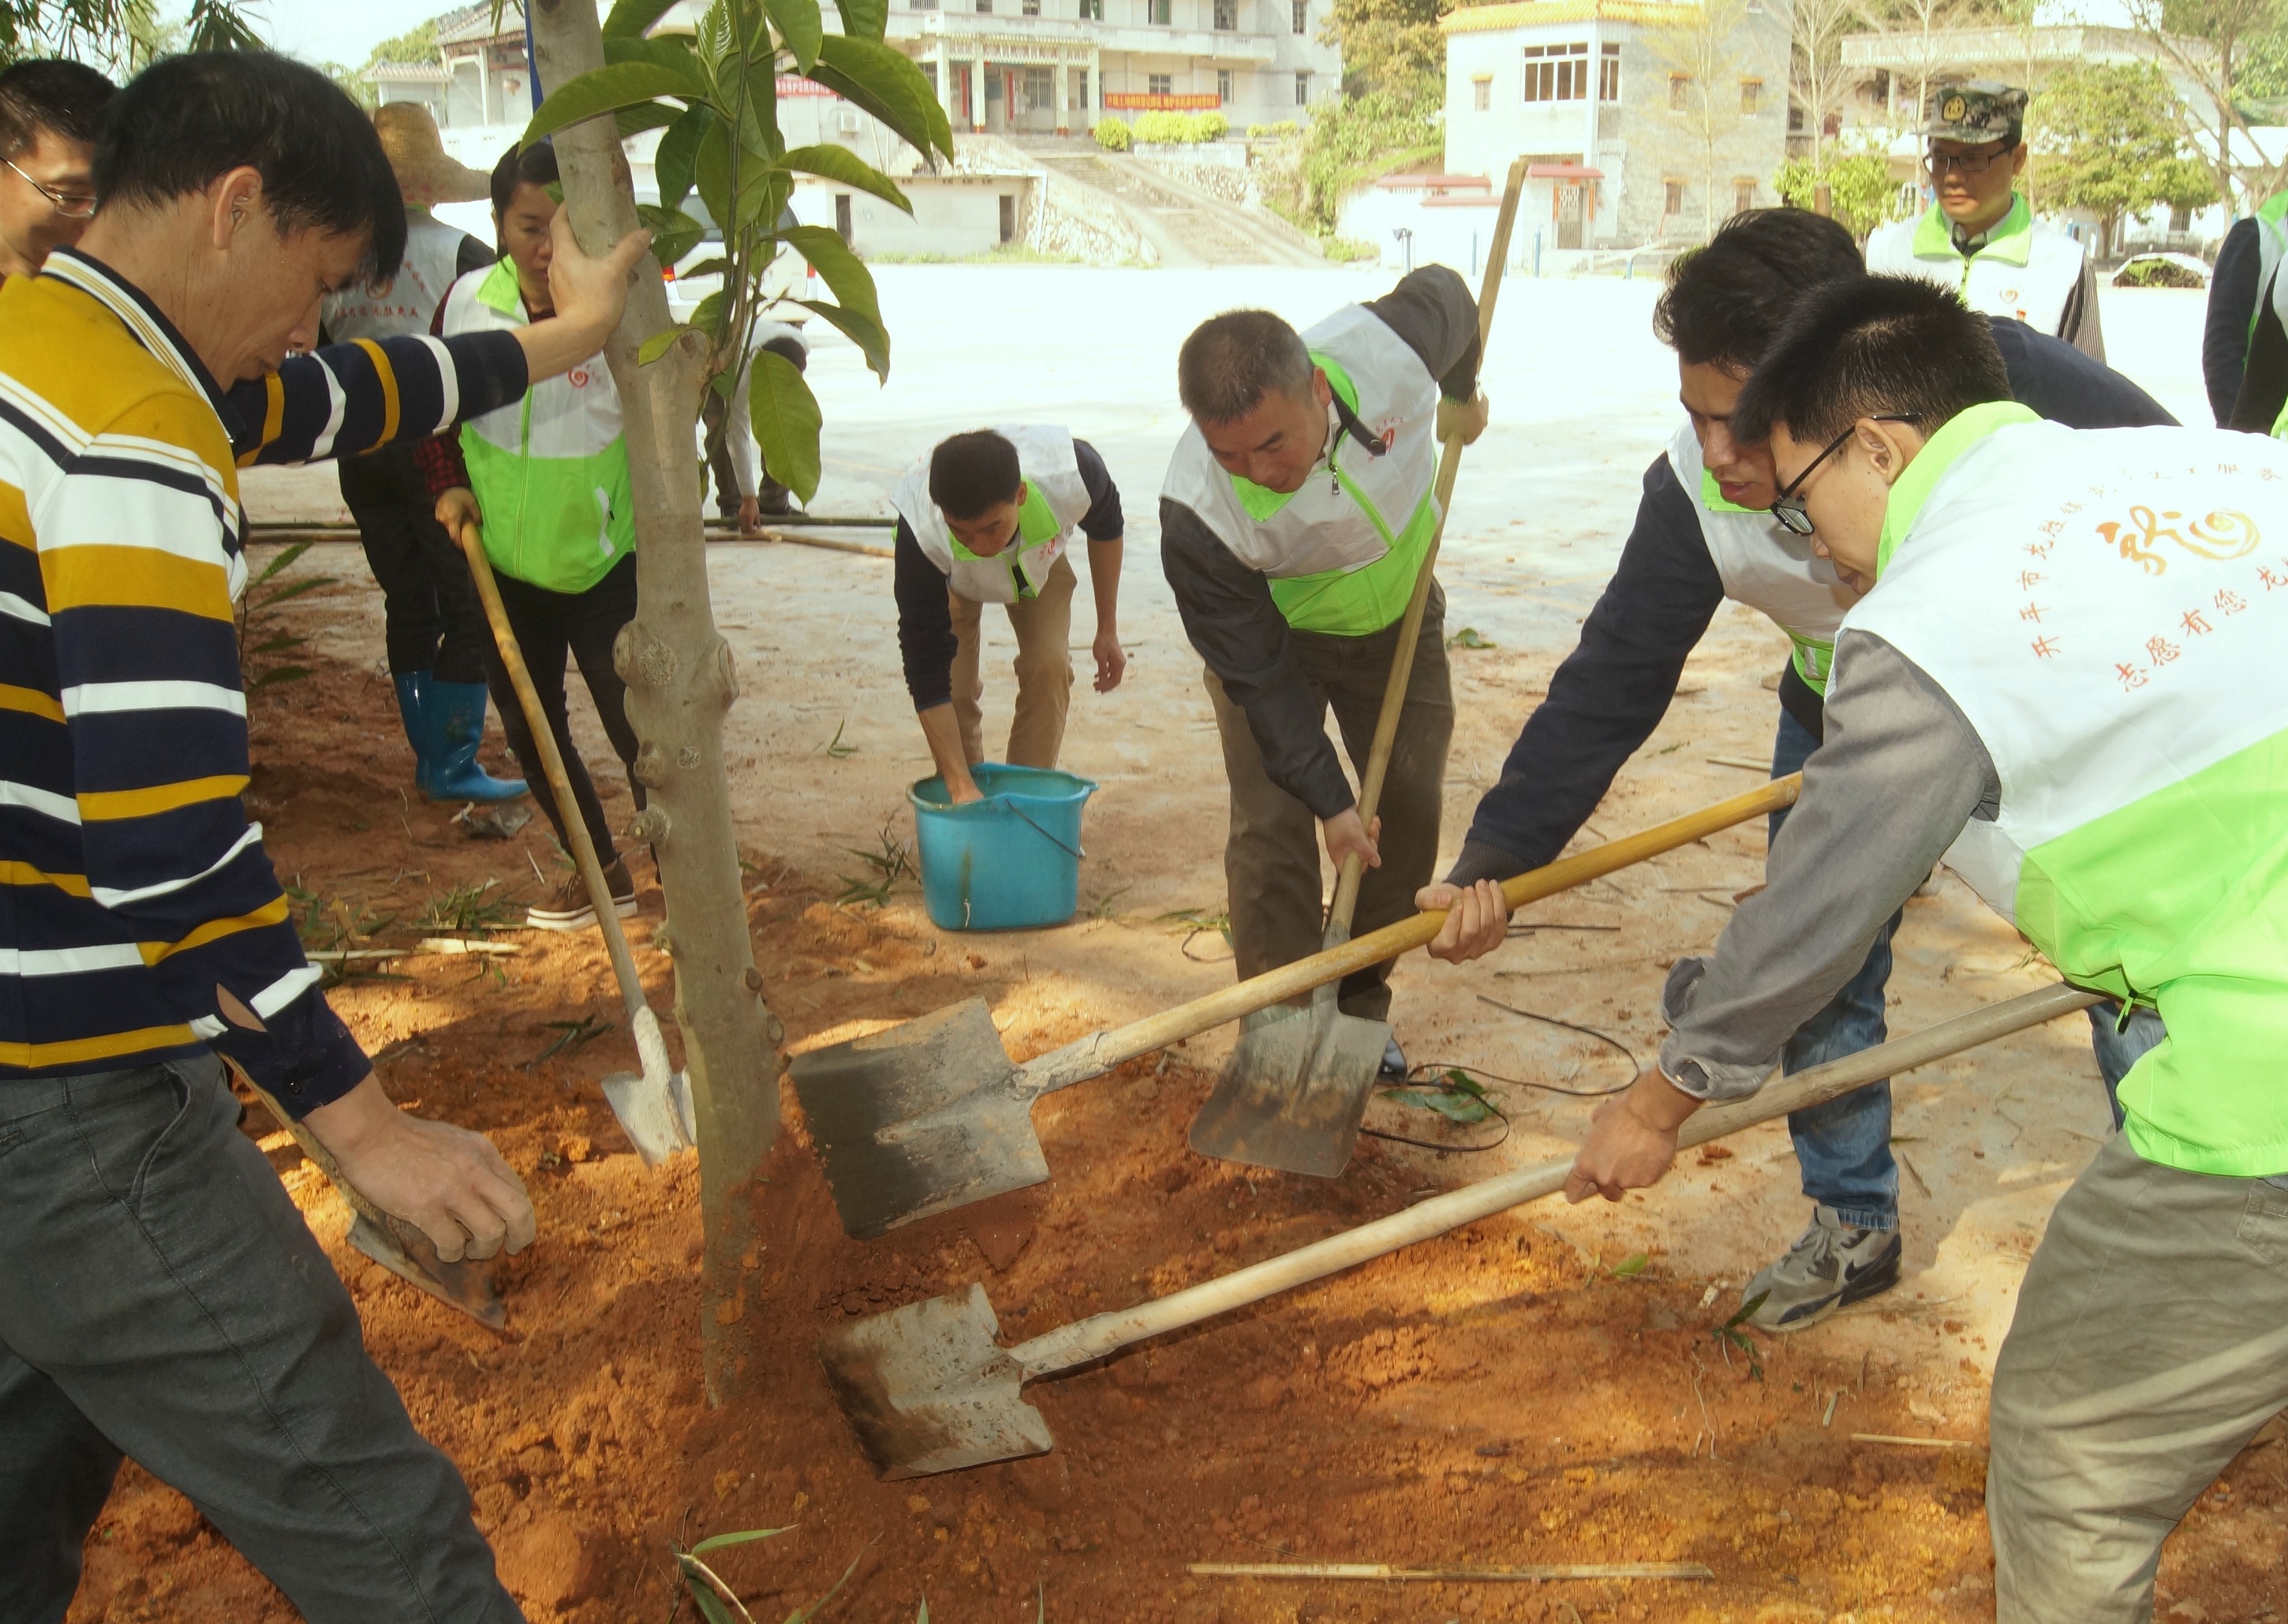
(1766, 567)
(1352, 517)
(2034, 290)
(1044, 457)
(407, 303)
(575, 414)
(2107, 608)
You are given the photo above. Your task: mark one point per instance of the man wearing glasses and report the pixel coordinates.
(1715, 523)
(49, 110)
(1979, 237)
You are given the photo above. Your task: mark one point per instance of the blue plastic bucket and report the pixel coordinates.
(1008, 862)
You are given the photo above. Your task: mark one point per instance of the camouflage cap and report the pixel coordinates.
(1975, 110)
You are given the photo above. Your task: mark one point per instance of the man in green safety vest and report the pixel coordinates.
(2062, 677)
(1295, 516)
(1979, 237)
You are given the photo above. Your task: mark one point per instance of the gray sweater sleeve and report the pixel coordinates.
(1900, 772)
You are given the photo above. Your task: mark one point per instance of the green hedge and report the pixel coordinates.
(1180, 129)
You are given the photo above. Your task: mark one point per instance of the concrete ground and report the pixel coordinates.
(1583, 398)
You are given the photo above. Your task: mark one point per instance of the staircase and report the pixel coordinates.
(1189, 227)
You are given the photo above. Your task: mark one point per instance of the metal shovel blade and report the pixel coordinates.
(928, 1389)
(917, 1119)
(414, 1260)
(657, 1120)
(1295, 1090)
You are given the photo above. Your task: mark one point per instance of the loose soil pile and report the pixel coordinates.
(1493, 1397)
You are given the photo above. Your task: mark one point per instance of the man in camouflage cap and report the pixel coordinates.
(1979, 237)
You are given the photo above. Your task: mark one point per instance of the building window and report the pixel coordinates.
(1679, 92)
(1302, 16)
(1080, 88)
(1030, 8)
(1557, 73)
(1092, 11)
(1160, 85)
(1303, 90)
(925, 6)
(1752, 97)
(984, 7)
(1481, 95)
(1223, 85)
(1156, 10)
(842, 217)
(1672, 197)
(1744, 196)
(929, 72)
(1227, 15)
(1795, 118)
(1608, 75)
(2181, 218)
(1040, 89)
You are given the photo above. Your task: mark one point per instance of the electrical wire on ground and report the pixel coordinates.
(1430, 1070)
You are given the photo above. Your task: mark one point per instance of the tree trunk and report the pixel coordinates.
(680, 685)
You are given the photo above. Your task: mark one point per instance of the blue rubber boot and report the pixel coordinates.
(455, 712)
(411, 686)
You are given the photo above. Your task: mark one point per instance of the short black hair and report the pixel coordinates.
(49, 93)
(971, 473)
(1231, 362)
(523, 166)
(1724, 302)
(183, 122)
(1876, 346)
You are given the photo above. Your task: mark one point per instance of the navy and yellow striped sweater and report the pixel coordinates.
(135, 896)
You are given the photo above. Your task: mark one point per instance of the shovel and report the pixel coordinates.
(402, 1249)
(1295, 1090)
(653, 1107)
(933, 1114)
(929, 1388)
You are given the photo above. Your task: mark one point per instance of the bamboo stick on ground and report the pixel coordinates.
(1533, 1573)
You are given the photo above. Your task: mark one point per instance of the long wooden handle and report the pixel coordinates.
(1101, 1333)
(552, 763)
(1409, 630)
(1100, 1051)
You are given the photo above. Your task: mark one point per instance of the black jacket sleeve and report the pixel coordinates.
(1431, 310)
(925, 640)
(2232, 304)
(1608, 695)
(1230, 619)
(2264, 387)
(2067, 386)
(1103, 521)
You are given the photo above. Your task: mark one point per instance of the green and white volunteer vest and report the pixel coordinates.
(1764, 566)
(404, 305)
(2027, 271)
(1056, 499)
(2108, 609)
(551, 471)
(1341, 552)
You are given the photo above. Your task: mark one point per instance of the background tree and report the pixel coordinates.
(1920, 33)
(2113, 142)
(1386, 117)
(1701, 52)
(119, 34)
(2210, 43)
(1817, 78)
(1861, 192)
(714, 95)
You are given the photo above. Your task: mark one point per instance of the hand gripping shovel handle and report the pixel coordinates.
(642, 1023)
(1101, 1333)
(1100, 1053)
(1410, 631)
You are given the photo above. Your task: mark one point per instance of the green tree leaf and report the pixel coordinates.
(785, 418)
(670, 51)
(717, 1541)
(632, 18)
(864, 18)
(864, 330)
(845, 272)
(840, 163)
(659, 344)
(673, 233)
(677, 159)
(711, 174)
(607, 89)
(800, 26)
(887, 84)
(646, 115)
(1632, 1266)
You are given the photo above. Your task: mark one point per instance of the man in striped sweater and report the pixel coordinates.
(159, 1294)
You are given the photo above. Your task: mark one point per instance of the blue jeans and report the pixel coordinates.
(1843, 1147)
(2118, 1047)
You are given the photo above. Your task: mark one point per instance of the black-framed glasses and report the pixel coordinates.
(70, 205)
(1935, 164)
(1788, 507)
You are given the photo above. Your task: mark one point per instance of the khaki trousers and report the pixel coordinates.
(1271, 856)
(1043, 668)
(2151, 1343)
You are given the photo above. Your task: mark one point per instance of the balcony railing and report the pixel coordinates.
(967, 29)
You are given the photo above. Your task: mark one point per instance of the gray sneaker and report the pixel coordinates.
(1832, 1264)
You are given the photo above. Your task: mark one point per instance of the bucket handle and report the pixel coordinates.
(1071, 852)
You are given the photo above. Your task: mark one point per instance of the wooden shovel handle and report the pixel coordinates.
(1410, 630)
(1101, 1333)
(1096, 1054)
(552, 763)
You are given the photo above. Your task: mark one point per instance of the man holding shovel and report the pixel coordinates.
(2064, 677)
(1703, 533)
(160, 1295)
(1294, 521)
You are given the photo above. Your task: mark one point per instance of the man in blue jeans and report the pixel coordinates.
(1704, 533)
